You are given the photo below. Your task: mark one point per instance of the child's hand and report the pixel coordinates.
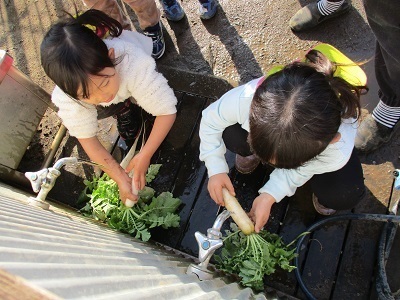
(125, 191)
(215, 185)
(261, 210)
(139, 164)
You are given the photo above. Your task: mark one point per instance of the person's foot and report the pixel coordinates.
(246, 164)
(207, 9)
(322, 210)
(156, 34)
(371, 135)
(172, 10)
(310, 16)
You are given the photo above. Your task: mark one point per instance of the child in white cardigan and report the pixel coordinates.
(95, 64)
(302, 120)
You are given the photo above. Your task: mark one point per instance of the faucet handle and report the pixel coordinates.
(207, 246)
(37, 178)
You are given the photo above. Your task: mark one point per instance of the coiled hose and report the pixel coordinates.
(385, 243)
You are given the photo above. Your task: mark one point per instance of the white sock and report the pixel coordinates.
(386, 115)
(326, 7)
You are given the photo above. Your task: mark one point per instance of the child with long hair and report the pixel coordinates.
(101, 70)
(302, 120)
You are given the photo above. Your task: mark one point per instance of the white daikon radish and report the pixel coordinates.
(237, 213)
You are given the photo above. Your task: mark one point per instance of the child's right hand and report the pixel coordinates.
(215, 185)
(125, 192)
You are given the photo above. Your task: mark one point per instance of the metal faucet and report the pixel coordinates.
(207, 246)
(393, 207)
(43, 181)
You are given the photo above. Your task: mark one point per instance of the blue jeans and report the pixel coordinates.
(384, 18)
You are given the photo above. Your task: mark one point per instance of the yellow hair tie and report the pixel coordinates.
(345, 67)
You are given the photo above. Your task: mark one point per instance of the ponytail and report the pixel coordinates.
(73, 49)
(101, 22)
(347, 94)
(296, 112)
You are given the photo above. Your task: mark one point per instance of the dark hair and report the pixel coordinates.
(71, 51)
(296, 112)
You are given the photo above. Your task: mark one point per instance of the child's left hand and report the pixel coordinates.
(261, 210)
(139, 163)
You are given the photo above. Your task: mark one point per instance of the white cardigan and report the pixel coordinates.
(138, 79)
(234, 107)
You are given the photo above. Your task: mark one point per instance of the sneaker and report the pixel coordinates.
(172, 10)
(309, 16)
(322, 210)
(371, 135)
(207, 9)
(156, 34)
(246, 164)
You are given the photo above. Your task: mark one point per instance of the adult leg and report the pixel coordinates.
(146, 11)
(111, 8)
(315, 13)
(341, 189)
(377, 129)
(148, 16)
(149, 20)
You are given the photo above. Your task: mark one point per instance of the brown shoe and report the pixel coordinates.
(371, 135)
(246, 164)
(322, 210)
(309, 16)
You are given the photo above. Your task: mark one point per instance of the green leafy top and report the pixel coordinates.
(254, 256)
(149, 212)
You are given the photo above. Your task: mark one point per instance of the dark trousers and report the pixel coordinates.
(130, 118)
(340, 190)
(383, 17)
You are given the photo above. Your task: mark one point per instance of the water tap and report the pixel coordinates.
(43, 181)
(207, 246)
(396, 175)
(393, 207)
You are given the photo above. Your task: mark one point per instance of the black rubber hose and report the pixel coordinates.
(369, 217)
(385, 244)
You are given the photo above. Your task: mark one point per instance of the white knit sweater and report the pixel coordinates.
(138, 79)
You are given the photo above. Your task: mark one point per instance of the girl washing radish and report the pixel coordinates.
(101, 70)
(302, 120)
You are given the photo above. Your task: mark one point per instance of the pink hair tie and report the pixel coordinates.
(102, 31)
(260, 81)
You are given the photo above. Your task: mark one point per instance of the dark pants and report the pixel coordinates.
(340, 190)
(384, 19)
(130, 118)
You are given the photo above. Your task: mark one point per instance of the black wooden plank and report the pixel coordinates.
(357, 267)
(202, 217)
(181, 165)
(323, 258)
(299, 216)
(188, 181)
(171, 152)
